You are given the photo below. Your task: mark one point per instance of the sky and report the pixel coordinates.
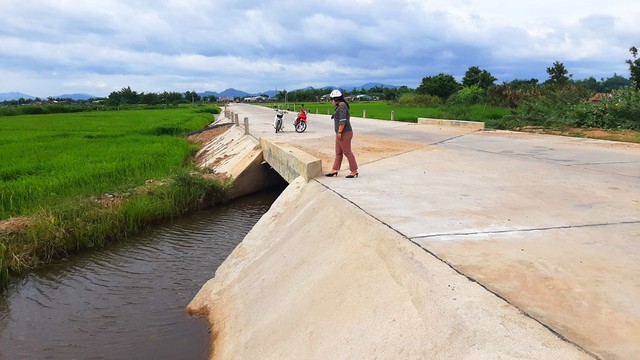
(49, 48)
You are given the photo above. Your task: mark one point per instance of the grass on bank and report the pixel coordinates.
(76, 181)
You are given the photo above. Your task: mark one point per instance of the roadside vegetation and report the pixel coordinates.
(77, 181)
(559, 105)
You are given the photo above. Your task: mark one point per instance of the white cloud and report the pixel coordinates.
(50, 47)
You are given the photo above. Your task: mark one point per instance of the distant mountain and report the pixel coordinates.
(367, 86)
(372, 85)
(74, 96)
(231, 93)
(14, 96)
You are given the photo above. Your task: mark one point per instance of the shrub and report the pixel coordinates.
(413, 99)
(511, 96)
(621, 110)
(550, 108)
(469, 95)
(208, 109)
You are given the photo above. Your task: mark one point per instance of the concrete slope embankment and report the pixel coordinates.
(545, 226)
(235, 155)
(318, 278)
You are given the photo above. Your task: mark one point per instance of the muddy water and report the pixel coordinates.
(127, 301)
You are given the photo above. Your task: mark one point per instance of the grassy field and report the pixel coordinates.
(47, 158)
(79, 180)
(382, 110)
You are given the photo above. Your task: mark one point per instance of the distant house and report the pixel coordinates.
(363, 97)
(259, 98)
(599, 97)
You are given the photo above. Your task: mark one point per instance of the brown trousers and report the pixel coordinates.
(343, 148)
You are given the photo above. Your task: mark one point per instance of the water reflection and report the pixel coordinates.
(126, 301)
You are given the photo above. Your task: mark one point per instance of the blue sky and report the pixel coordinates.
(58, 47)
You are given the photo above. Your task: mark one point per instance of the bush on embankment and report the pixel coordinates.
(78, 181)
(567, 107)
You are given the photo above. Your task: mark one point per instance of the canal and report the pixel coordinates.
(127, 301)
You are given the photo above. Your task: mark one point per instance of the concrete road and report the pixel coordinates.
(550, 224)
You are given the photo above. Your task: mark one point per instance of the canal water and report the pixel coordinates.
(127, 301)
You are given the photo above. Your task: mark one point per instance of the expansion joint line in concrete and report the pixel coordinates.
(548, 161)
(605, 163)
(452, 138)
(603, 171)
(553, 331)
(426, 236)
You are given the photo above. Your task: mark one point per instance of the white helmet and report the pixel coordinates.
(335, 94)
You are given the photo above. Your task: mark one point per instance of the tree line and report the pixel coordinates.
(478, 86)
(127, 96)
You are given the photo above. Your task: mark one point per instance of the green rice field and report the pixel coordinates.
(47, 158)
(80, 180)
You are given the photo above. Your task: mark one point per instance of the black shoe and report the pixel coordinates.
(351, 176)
(331, 174)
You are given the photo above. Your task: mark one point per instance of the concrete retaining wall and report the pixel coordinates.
(455, 123)
(290, 162)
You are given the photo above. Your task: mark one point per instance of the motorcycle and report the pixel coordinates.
(300, 124)
(278, 123)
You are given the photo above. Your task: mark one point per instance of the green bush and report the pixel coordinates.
(9, 111)
(621, 110)
(551, 108)
(469, 95)
(626, 108)
(507, 95)
(208, 109)
(413, 99)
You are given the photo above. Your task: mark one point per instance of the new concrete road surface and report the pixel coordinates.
(550, 224)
